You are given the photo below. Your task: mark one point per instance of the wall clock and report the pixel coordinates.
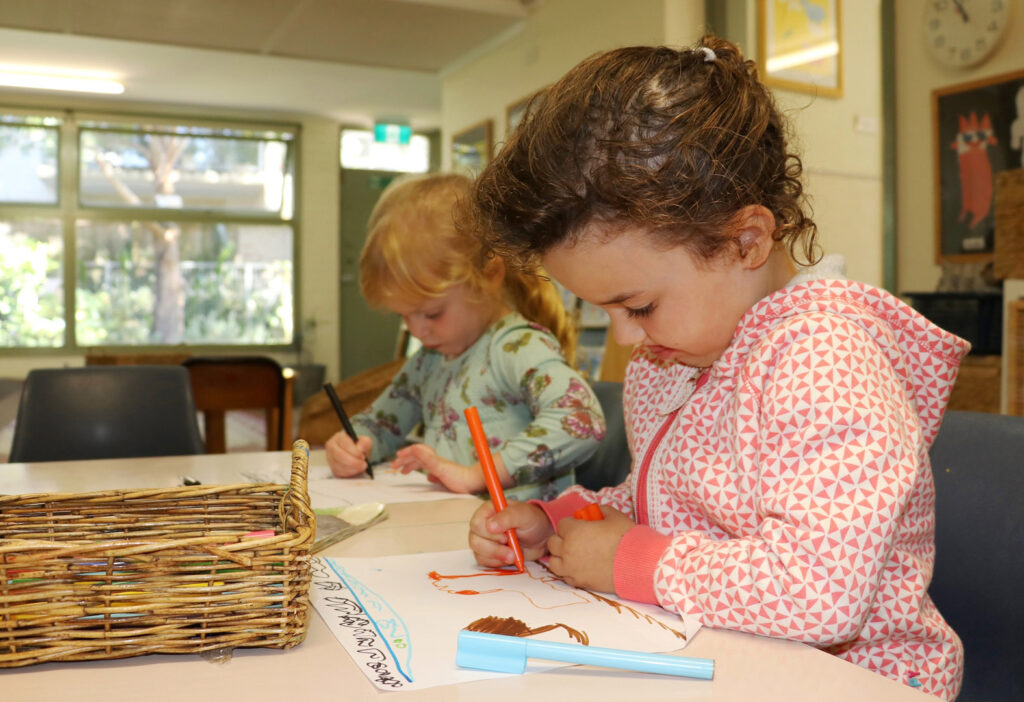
(963, 33)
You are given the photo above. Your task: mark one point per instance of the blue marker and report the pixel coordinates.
(508, 654)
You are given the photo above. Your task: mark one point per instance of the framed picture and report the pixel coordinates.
(514, 112)
(471, 148)
(978, 131)
(799, 45)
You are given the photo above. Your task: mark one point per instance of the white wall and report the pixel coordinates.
(917, 75)
(558, 35)
(843, 165)
(839, 140)
(318, 217)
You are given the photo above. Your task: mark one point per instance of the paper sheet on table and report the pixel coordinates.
(387, 485)
(399, 616)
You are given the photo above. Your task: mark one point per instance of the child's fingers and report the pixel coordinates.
(489, 549)
(344, 457)
(489, 553)
(407, 465)
(365, 445)
(478, 523)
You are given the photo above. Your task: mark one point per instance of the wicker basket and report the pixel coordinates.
(129, 572)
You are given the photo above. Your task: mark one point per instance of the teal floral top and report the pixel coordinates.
(539, 414)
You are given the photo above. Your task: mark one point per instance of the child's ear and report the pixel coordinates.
(753, 230)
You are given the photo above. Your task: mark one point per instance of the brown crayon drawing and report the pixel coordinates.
(510, 626)
(559, 594)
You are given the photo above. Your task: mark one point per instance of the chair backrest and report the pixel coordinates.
(611, 463)
(978, 464)
(222, 383)
(318, 421)
(105, 412)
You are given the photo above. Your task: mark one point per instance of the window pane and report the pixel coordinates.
(28, 163)
(31, 283)
(184, 171)
(197, 283)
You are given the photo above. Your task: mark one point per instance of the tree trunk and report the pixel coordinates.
(169, 295)
(169, 301)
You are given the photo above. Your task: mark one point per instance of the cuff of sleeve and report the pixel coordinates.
(561, 507)
(636, 559)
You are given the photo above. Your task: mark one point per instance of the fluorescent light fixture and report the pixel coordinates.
(66, 79)
(799, 58)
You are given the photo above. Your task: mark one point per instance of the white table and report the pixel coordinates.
(746, 667)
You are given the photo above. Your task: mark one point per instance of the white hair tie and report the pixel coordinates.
(709, 54)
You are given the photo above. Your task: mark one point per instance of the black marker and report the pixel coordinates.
(349, 429)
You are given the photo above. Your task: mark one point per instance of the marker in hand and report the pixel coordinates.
(339, 409)
(483, 452)
(590, 513)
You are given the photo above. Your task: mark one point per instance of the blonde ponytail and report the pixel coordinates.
(534, 296)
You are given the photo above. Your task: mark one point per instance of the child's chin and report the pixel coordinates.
(663, 352)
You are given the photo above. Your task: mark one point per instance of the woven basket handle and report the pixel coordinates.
(294, 509)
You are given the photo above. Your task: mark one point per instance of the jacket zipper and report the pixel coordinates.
(641, 478)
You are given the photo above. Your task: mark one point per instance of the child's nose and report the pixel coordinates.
(414, 326)
(626, 331)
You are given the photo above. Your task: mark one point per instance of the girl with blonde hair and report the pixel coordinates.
(492, 337)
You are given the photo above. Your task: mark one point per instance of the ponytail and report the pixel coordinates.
(534, 296)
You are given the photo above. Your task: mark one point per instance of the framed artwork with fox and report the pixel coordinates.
(978, 129)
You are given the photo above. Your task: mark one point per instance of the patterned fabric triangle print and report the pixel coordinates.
(795, 483)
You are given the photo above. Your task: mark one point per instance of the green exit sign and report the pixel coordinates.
(392, 133)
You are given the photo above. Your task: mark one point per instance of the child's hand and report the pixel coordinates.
(454, 476)
(487, 533)
(583, 553)
(346, 457)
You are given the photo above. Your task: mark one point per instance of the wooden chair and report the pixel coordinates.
(220, 384)
(318, 421)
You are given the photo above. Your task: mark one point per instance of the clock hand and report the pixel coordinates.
(961, 11)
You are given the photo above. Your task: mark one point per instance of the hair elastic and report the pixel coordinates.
(709, 53)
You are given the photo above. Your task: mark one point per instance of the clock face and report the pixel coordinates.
(963, 33)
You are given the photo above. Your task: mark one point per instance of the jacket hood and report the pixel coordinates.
(926, 356)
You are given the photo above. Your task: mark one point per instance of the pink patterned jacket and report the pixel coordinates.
(786, 490)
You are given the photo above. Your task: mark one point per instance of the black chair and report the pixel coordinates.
(68, 414)
(611, 463)
(978, 464)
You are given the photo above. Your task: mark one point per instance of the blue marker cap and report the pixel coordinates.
(508, 654)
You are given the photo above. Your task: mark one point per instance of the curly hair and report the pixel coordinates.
(673, 141)
(414, 252)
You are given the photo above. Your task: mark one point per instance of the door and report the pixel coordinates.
(368, 337)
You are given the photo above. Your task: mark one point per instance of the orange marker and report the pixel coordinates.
(483, 452)
(590, 513)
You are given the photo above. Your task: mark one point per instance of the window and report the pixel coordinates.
(165, 233)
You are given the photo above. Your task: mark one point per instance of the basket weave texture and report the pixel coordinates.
(176, 570)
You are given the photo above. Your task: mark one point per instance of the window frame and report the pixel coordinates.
(69, 210)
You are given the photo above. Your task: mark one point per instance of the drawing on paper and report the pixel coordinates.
(398, 617)
(553, 584)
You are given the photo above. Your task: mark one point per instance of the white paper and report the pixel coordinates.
(387, 485)
(399, 616)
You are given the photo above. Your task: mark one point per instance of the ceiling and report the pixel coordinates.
(354, 60)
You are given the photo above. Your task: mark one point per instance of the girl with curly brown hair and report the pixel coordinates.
(779, 419)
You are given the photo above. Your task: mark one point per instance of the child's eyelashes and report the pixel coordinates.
(640, 312)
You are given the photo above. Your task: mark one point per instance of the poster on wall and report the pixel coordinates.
(978, 131)
(471, 148)
(800, 45)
